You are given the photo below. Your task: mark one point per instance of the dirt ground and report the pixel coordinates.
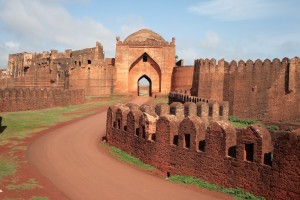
(69, 162)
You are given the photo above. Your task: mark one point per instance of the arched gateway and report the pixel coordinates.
(144, 54)
(144, 86)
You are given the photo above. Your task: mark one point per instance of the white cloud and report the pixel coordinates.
(12, 45)
(236, 10)
(130, 24)
(188, 55)
(211, 41)
(38, 25)
(213, 45)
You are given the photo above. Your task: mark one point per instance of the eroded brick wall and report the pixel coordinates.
(96, 79)
(249, 158)
(12, 100)
(80, 69)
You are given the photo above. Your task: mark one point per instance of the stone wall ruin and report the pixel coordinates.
(252, 158)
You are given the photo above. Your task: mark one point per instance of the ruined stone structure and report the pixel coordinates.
(12, 100)
(82, 69)
(267, 91)
(144, 54)
(179, 140)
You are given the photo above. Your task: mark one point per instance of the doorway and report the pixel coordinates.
(144, 86)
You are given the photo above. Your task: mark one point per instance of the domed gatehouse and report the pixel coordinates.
(144, 58)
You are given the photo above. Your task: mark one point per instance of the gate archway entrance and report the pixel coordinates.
(144, 52)
(142, 72)
(144, 86)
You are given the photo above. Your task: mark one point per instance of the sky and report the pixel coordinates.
(229, 29)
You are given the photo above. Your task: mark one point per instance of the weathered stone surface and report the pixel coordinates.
(246, 158)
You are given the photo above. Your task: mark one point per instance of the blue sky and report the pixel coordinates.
(229, 29)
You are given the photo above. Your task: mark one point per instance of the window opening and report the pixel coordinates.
(268, 158)
(221, 111)
(249, 151)
(137, 131)
(145, 58)
(175, 140)
(232, 152)
(187, 139)
(202, 145)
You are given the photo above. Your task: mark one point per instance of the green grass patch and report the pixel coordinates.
(129, 158)
(238, 193)
(29, 185)
(242, 123)
(19, 148)
(39, 198)
(161, 99)
(21, 125)
(272, 127)
(7, 166)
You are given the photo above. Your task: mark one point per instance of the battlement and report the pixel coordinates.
(212, 64)
(204, 108)
(254, 89)
(178, 141)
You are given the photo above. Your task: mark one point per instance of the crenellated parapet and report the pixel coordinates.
(204, 108)
(177, 140)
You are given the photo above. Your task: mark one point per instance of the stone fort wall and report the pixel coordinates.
(263, 90)
(12, 100)
(176, 140)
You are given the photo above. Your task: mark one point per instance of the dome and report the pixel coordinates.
(145, 37)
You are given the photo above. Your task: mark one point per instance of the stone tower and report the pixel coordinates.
(144, 54)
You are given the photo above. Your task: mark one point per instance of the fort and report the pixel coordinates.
(191, 135)
(254, 89)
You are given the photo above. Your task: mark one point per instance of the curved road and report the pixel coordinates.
(71, 158)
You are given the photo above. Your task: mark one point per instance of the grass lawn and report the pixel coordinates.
(21, 125)
(161, 99)
(8, 166)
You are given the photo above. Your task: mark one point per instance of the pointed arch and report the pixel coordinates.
(144, 67)
(145, 57)
(139, 92)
